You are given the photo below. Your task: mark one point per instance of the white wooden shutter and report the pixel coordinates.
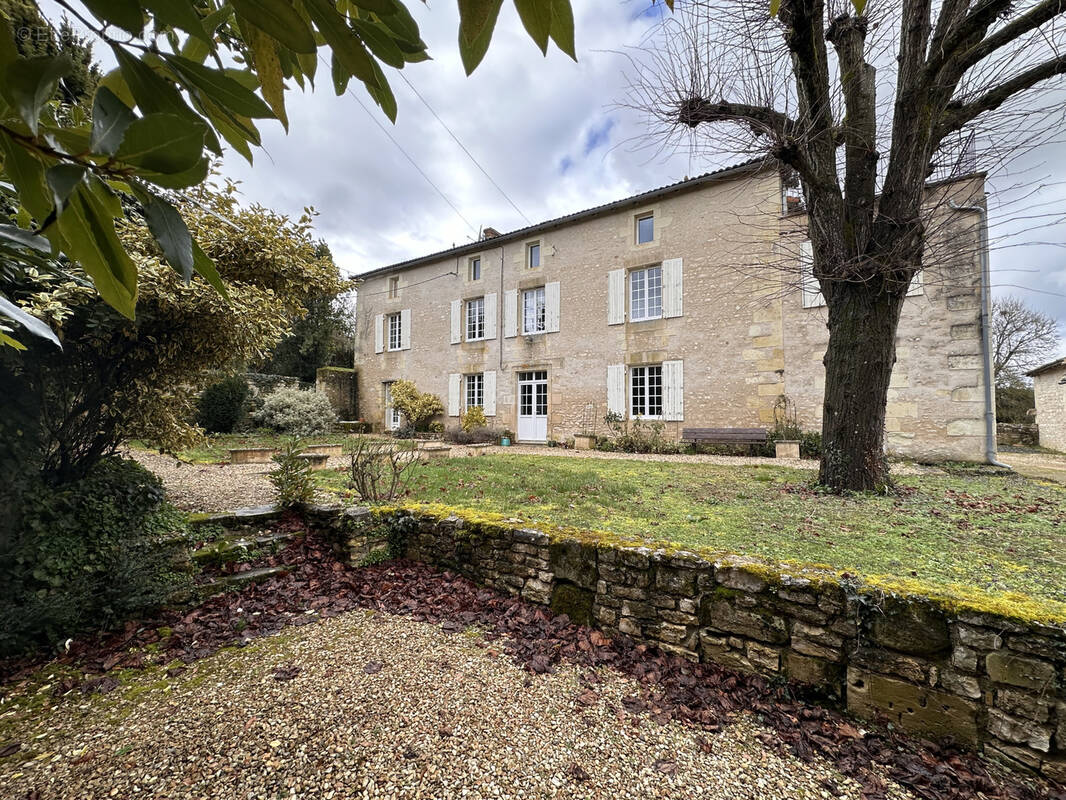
(616, 388)
(490, 315)
(551, 307)
(672, 293)
(490, 393)
(455, 383)
(812, 293)
(510, 313)
(673, 391)
(917, 285)
(616, 297)
(405, 329)
(379, 333)
(457, 321)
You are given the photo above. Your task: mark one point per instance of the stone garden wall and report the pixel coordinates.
(991, 682)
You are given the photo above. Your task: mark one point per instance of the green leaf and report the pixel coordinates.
(126, 14)
(25, 238)
(198, 50)
(220, 87)
(114, 81)
(473, 51)
(10, 342)
(163, 143)
(29, 82)
(775, 7)
(111, 117)
(378, 7)
(380, 42)
(382, 94)
(536, 16)
(172, 234)
(475, 17)
(178, 14)
(26, 172)
(62, 180)
(206, 267)
(268, 68)
(153, 93)
(193, 176)
(860, 6)
(347, 48)
(8, 52)
(562, 28)
(236, 133)
(28, 321)
(279, 19)
(87, 228)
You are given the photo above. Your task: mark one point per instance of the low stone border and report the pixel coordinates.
(990, 682)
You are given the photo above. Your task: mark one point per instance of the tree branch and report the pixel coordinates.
(957, 115)
(1031, 20)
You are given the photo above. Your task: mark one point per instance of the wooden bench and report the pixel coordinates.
(731, 436)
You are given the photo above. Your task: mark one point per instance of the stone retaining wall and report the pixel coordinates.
(991, 682)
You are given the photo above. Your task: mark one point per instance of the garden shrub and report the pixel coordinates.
(638, 436)
(418, 408)
(222, 404)
(292, 479)
(297, 413)
(86, 555)
(475, 436)
(473, 417)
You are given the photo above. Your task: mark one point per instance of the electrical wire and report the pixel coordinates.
(469, 155)
(414, 163)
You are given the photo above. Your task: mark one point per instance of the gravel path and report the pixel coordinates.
(381, 706)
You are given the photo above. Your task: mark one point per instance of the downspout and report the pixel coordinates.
(986, 344)
(501, 312)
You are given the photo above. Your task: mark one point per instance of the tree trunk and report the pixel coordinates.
(863, 318)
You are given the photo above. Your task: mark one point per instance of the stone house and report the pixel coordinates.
(1049, 391)
(686, 305)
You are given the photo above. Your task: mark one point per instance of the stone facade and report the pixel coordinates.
(735, 335)
(990, 682)
(1049, 389)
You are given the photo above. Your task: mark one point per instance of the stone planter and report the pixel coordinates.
(787, 448)
(330, 450)
(316, 460)
(251, 455)
(584, 441)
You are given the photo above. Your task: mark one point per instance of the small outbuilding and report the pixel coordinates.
(1049, 389)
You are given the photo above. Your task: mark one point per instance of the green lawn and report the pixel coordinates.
(215, 447)
(998, 538)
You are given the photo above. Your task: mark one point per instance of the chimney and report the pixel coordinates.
(489, 233)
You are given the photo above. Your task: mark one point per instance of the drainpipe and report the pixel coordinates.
(986, 344)
(501, 312)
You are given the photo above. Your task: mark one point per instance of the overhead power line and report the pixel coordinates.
(463, 148)
(414, 163)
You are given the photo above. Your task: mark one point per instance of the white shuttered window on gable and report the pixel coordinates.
(455, 383)
(405, 329)
(673, 391)
(616, 297)
(616, 389)
(551, 307)
(510, 313)
(812, 293)
(673, 305)
(457, 321)
(490, 315)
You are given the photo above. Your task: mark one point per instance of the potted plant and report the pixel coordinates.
(506, 438)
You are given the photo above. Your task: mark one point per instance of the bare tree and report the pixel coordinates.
(864, 109)
(1022, 339)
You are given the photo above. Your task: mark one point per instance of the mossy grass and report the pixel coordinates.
(214, 448)
(969, 539)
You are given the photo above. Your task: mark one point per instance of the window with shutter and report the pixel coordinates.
(645, 294)
(395, 331)
(533, 320)
(812, 293)
(475, 319)
(646, 391)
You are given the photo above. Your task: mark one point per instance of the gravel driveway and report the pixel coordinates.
(368, 705)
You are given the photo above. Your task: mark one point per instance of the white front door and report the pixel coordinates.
(392, 416)
(533, 406)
